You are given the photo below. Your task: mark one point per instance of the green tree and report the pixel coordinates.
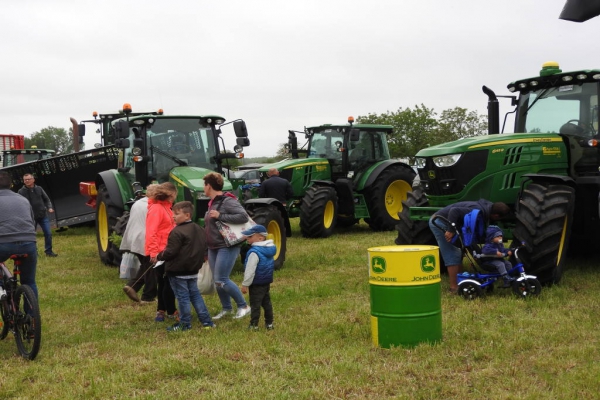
(52, 138)
(458, 123)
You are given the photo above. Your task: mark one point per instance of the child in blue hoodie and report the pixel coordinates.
(493, 247)
(258, 275)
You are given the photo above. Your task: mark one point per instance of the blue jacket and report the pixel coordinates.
(264, 269)
(491, 248)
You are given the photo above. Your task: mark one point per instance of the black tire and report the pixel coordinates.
(544, 218)
(106, 219)
(5, 320)
(525, 288)
(270, 218)
(384, 197)
(409, 231)
(469, 290)
(28, 329)
(318, 212)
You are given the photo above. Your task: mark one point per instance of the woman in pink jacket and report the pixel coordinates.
(159, 224)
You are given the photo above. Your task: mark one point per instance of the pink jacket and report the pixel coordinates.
(159, 224)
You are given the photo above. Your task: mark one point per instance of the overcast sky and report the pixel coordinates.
(278, 65)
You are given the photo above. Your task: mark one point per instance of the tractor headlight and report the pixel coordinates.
(447, 160)
(420, 162)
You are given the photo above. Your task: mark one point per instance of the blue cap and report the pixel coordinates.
(255, 229)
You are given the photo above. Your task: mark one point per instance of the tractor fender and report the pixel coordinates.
(110, 180)
(253, 204)
(560, 179)
(317, 182)
(373, 173)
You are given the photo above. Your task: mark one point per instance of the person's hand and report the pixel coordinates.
(214, 214)
(499, 254)
(244, 289)
(509, 253)
(448, 236)
(51, 210)
(153, 260)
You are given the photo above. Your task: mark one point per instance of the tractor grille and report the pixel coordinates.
(451, 180)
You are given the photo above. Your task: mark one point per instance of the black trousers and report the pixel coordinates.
(260, 297)
(166, 297)
(148, 281)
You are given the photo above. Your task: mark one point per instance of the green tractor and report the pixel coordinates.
(341, 174)
(182, 149)
(548, 171)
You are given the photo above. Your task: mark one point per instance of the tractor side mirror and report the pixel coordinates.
(240, 130)
(354, 135)
(122, 143)
(243, 141)
(122, 130)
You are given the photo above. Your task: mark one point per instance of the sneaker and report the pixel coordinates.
(174, 316)
(160, 316)
(213, 326)
(270, 327)
(130, 292)
(222, 314)
(508, 280)
(242, 312)
(146, 302)
(178, 327)
(252, 327)
(51, 254)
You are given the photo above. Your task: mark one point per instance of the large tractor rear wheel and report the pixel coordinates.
(410, 231)
(544, 218)
(106, 219)
(384, 198)
(318, 212)
(271, 219)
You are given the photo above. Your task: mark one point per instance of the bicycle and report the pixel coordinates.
(20, 310)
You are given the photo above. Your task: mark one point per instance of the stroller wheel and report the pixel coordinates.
(529, 287)
(469, 290)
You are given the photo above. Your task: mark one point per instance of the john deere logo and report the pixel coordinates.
(431, 174)
(428, 263)
(378, 265)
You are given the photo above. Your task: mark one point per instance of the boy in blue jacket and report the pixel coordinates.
(258, 275)
(493, 247)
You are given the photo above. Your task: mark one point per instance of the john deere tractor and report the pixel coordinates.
(341, 174)
(548, 172)
(182, 149)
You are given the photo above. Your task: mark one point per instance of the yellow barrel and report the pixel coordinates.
(406, 300)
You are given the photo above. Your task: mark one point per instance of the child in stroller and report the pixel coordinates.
(495, 250)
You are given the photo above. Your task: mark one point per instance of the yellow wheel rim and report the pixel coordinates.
(394, 195)
(102, 226)
(328, 214)
(561, 245)
(274, 233)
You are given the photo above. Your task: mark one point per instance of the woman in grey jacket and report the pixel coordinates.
(223, 207)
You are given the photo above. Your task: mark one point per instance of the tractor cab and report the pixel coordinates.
(20, 156)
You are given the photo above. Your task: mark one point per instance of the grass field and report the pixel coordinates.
(98, 344)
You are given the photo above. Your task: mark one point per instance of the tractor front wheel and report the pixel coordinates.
(544, 218)
(318, 212)
(106, 219)
(384, 198)
(411, 231)
(271, 218)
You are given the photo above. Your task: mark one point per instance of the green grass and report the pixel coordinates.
(98, 344)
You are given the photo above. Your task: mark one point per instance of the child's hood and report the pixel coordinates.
(491, 232)
(267, 247)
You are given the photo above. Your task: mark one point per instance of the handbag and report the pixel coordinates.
(232, 233)
(130, 266)
(206, 283)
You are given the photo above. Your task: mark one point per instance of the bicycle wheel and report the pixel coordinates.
(28, 332)
(5, 319)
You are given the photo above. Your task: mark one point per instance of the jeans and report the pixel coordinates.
(451, 254)
(44, 223)
(29, 264)
(221, 263)
(260, 296)
(187, 294)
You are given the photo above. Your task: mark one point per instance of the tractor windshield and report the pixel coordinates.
(173, 142)
(568, 109)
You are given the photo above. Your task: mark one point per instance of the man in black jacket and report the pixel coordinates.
(41, 205)
(276, 187)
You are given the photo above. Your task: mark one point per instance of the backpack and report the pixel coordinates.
(473, 229)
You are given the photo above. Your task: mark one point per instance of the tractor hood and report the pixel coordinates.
(480, 142)
(297, 163)
(192, 178)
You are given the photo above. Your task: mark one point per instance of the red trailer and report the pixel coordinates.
(8, 142)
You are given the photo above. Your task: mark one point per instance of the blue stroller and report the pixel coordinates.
(472, 285)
